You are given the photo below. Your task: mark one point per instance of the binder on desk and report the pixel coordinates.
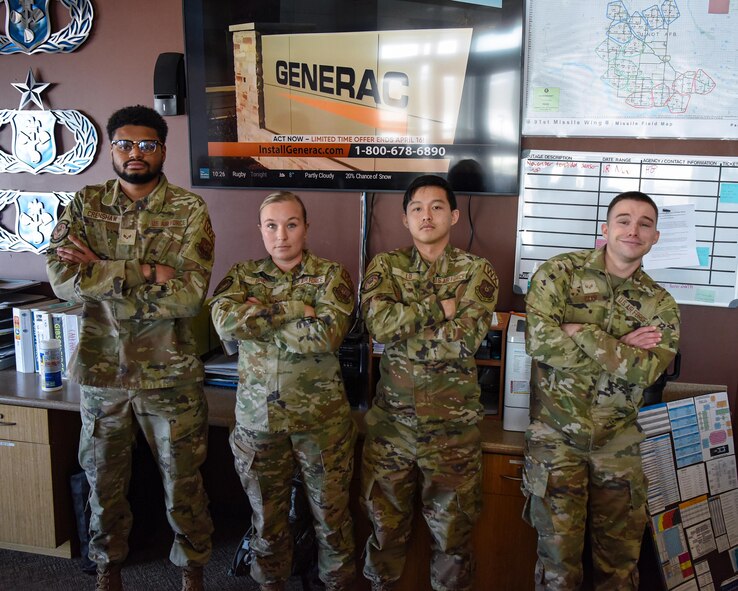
(43, 324)
(23, 337)
(71, 328)
(60, 333)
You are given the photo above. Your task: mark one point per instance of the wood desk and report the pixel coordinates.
(502, 539)
(504, 544)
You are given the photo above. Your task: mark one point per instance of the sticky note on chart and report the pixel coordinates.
(703, 254)
(728, 192)
(545, 100)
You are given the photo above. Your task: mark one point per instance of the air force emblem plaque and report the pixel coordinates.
(34, 144)
(28, 27)
(27, 23)
(33, 138)
(36, 215)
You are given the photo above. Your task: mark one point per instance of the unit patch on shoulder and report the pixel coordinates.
(372, 280)
(485, 291)
(205, 249)
(60, 232)
(224, 285)
(342, 293)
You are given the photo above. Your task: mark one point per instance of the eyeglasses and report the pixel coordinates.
(144, 146)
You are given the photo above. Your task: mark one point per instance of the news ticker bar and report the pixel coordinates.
(331, 179)
(327, 150)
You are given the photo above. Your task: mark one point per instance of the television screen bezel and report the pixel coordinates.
(466, 174)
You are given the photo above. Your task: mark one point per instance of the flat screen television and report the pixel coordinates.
(354, 94)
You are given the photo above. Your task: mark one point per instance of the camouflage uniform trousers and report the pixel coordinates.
(174, 422)
(265, 463)
(568, 488)
(445, 463)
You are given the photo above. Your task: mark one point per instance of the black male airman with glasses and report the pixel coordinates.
(137, 252)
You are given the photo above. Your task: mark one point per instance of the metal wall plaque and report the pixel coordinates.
(28, 27)
(36, 215)
(34, 143)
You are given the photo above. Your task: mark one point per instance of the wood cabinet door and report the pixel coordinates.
(504, 545)
(26, 494)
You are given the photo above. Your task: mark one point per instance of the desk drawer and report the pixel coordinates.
(22, 423)
(503, 474)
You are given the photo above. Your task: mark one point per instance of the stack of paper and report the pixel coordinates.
(222, 370)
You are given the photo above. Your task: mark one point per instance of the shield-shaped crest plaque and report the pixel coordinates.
(36, 216)
(27, 22)
(33, 138)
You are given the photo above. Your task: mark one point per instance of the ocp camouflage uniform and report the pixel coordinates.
(291, 406)
(423, 422)
(582, 457)
(137, 356)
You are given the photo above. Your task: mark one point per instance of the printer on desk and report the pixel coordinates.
(515, 415)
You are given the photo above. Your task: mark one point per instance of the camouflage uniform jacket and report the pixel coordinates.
(428, 372)
(591, 383)
(289, 375)
(135, 334)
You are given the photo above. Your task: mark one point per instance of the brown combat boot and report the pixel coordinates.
(192, 578)
(108, 578)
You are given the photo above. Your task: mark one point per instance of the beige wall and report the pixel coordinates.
(114, 68)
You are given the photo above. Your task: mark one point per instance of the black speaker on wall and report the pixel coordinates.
(169, 84)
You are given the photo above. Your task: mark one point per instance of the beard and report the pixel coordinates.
(138, 178)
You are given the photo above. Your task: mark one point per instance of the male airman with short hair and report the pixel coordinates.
(599, 330)
(431, 306)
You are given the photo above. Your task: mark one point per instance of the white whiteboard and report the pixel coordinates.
(564, 198)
